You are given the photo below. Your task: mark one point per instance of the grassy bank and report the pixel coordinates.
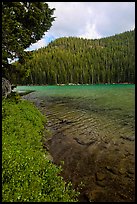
(27, 176)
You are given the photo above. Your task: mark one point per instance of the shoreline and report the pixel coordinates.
(72, 84)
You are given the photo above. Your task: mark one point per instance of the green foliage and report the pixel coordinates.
(14, 96)
(27, 176)
(23, 23)
(78, 60)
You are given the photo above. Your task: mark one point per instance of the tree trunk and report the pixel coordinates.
(6, 87)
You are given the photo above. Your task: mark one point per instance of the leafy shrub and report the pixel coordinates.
(27, 176)
(14, 96)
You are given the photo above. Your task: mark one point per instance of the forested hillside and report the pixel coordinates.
(77, 60)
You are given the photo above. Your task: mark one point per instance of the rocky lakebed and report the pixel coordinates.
(96, 151)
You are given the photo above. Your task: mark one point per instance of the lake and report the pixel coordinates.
(93, 132)
(114, 101)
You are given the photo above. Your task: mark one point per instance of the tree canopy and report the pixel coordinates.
(23, 23)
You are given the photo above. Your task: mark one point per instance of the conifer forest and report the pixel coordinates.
(82, 61)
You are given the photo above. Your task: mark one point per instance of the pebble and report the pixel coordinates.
(112, 170)
(100, 176)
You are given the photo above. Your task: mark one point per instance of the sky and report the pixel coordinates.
(91, 20)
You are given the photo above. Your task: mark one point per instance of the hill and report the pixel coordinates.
(84, 61)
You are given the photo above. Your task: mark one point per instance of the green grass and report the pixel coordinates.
(27, 175)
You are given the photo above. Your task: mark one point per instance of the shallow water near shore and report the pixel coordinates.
(93, 132)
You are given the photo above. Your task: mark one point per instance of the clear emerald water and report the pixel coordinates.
(115, 101)
(93, 133)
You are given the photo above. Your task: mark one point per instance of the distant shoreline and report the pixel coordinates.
(72, 84)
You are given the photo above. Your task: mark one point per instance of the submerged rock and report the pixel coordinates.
(100, 176)
(6, 87)
(129, 138)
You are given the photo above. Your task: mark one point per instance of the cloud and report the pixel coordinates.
(103, 18)
(70, 18)
(115, 17)
(90, 32)
(89, 20)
